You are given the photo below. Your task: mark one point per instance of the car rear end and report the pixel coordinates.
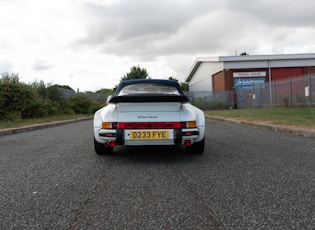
(149, 119)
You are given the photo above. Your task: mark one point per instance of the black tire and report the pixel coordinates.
(197, 148)
(101, 149)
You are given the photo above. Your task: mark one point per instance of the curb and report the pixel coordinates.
(11, 131)
(277, 128)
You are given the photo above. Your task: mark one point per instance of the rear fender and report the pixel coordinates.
(192, 113)
(107, 113)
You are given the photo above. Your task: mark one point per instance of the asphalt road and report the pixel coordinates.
(248, 178)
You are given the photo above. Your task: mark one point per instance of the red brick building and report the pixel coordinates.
(237, 72)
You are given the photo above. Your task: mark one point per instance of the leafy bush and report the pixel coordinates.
(16, 98)
(82, 104)
(38, 100)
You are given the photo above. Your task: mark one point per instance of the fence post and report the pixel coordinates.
(310, 90)
(274, 93)
(270, 81)
(253, 95)
(290, 80)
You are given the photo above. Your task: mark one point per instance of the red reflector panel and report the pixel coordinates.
(187, 143)
(112, 144)
(149, 125)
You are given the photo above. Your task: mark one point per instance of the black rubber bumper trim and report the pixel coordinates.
(178, 138)
(120, 136)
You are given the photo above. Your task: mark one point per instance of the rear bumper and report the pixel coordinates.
(175, 136)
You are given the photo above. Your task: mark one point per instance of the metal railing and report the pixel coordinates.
(291, 92)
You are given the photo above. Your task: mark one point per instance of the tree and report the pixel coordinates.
(106, 91)
(135, 73)
(184, 86)
(64, 87)
(54, 94)
(172, 78)
(40, 88)
(6, 77)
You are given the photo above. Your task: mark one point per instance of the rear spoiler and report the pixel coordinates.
(148, 98)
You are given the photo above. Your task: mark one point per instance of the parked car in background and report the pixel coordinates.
(149, 112)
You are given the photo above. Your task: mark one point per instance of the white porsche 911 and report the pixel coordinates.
(149, 112)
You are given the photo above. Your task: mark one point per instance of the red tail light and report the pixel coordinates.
(151, 125)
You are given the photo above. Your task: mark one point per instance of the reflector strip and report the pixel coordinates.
(150, 125)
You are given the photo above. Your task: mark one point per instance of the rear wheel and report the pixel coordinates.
(101, 149)
(197, 148)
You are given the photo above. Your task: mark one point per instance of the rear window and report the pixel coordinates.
(148, 88)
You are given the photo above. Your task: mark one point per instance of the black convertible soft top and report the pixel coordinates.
(156, 81)
(150, 96)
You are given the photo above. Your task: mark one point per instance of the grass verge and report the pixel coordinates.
(26, 122)
(295, 117)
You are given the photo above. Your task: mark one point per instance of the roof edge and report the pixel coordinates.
(267, 57)
(196, 64)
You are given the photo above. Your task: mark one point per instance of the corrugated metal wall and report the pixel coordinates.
(285, 73)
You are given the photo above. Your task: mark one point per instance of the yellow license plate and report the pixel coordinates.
(149, 135)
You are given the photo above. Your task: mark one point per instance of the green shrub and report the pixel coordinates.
(95, 107)
(38, 100)
(81, 104)
(16, 98)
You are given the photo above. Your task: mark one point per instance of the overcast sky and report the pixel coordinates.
(91, 44)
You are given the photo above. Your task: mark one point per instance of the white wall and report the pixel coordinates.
(202, 85)
(202, 78)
